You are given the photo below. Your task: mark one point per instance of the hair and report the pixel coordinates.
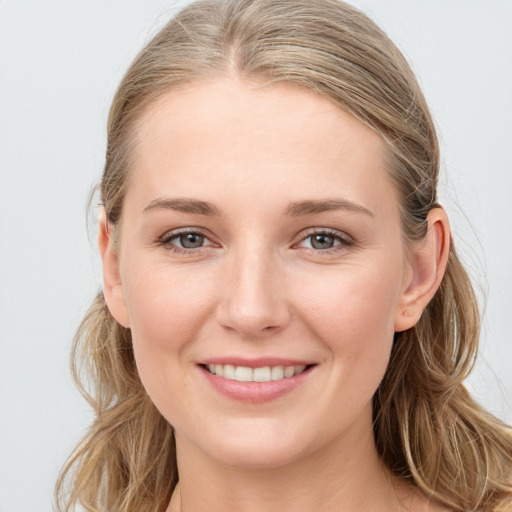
(428, 430)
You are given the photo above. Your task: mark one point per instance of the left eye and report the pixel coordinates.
(323, 241)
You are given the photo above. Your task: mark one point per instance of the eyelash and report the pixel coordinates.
(344, 241)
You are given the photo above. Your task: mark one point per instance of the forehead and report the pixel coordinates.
(257, 138)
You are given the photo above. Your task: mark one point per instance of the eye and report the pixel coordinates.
(322, 241)
(184, 240)
(326, 240)
(189, 240)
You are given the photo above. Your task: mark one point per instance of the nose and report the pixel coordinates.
(253, 301)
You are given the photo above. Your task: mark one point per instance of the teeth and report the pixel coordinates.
(228, 371)
(277, 372)
(261, 374)
(242, 373)
(299, 369)
(289, 371)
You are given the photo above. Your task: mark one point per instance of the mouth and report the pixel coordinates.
(258, 374)
(256, 381)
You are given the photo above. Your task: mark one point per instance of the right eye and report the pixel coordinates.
(184, 241)
(326, 241)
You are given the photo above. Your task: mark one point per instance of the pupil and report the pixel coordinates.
(322, 241)
(191, 240)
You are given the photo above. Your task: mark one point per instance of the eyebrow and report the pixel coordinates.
(185, 205)
(294, 209)
(309, 207)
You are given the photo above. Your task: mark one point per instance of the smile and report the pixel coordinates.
(256, 381)
(260, 374)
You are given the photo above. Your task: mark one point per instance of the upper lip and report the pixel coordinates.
(256, 362)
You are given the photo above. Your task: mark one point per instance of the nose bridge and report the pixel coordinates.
(254, 301)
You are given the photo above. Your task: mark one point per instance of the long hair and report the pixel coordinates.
(427, 428)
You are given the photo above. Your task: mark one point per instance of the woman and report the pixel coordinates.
(284, 321)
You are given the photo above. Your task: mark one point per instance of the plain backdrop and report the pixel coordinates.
(60, 62)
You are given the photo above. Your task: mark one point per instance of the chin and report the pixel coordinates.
(257, 457)
(260, 446)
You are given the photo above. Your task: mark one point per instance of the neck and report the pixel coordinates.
(344, 475)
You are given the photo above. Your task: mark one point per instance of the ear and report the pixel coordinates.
(112, 284)
(428, 260)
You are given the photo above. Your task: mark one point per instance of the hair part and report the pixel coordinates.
(428, 429)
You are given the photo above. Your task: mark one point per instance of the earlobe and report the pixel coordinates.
(428, 260)
(112, 283)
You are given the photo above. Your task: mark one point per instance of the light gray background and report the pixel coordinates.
(60, 61)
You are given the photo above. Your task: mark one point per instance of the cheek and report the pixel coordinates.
(166, 306)
(354, 317)
(353, 301)
(167, 310)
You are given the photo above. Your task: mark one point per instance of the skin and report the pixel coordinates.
(257, 287)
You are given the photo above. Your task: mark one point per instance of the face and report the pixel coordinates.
(261, 268)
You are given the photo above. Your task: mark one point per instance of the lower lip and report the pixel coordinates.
(255, 392)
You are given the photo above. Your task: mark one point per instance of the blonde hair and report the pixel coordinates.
(428, 429)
